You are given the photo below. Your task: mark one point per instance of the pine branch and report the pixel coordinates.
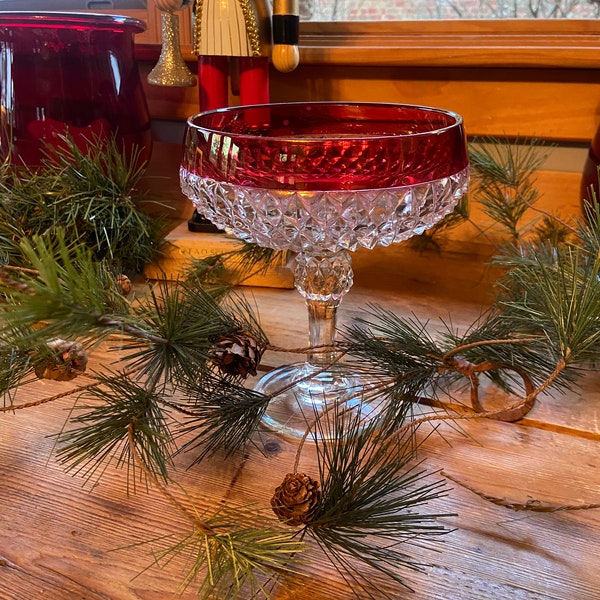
(504, 173)
(371, 492)
(221, 551)
(515, 407)
(169, 336)
(235, 561)
(410, 363)
(559, 300)
(66, 290)
(398, 353)
(15, 366)
(221, 414)
(119, 409)
(588, 229)
(494, 340)
(89, 195)
(103, 167)
(186, 321)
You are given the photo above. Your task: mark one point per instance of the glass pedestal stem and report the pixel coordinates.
(323, 279)
(322, 322)
(302, 393)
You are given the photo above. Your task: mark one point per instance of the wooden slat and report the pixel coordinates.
(535, 43)
(549, 104)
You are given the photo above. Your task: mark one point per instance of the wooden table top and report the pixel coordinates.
(63, 540)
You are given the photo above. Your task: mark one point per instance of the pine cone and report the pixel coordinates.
(296, 500)
(67, 361)
(238, 354)
(124, 284)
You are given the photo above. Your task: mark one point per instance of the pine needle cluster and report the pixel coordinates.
(108, 414)
(230, 553)
(504, 173)
(373, 491)
(92, 196)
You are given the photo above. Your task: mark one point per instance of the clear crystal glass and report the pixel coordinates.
(322, 179)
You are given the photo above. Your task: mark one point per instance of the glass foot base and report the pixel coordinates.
(305, 397)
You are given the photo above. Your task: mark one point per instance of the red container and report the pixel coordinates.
(590, 181)
(69, 73)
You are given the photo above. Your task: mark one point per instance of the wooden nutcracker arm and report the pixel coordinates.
(286, 22)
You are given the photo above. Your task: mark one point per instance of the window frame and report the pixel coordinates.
(543, 43)
(513, 78)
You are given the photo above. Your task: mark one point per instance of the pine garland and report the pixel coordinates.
(92, 196)
(187, 349)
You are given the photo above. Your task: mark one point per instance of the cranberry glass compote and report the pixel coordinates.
(322, 179)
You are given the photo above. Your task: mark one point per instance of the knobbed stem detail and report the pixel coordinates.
(323, 280)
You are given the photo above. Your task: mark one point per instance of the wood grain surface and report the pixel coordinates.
(63, 539)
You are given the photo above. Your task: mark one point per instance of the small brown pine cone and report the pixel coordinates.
(238, 354)
(124, 284)
(67, 361)
(296, 500)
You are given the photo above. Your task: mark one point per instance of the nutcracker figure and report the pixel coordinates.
(233, 40)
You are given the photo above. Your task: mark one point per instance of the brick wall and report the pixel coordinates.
(391, 10)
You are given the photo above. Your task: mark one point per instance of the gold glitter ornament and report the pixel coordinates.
(171, 70)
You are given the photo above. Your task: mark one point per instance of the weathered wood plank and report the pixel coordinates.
(68, 541)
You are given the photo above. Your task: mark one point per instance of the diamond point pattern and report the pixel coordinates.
(324, 221)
